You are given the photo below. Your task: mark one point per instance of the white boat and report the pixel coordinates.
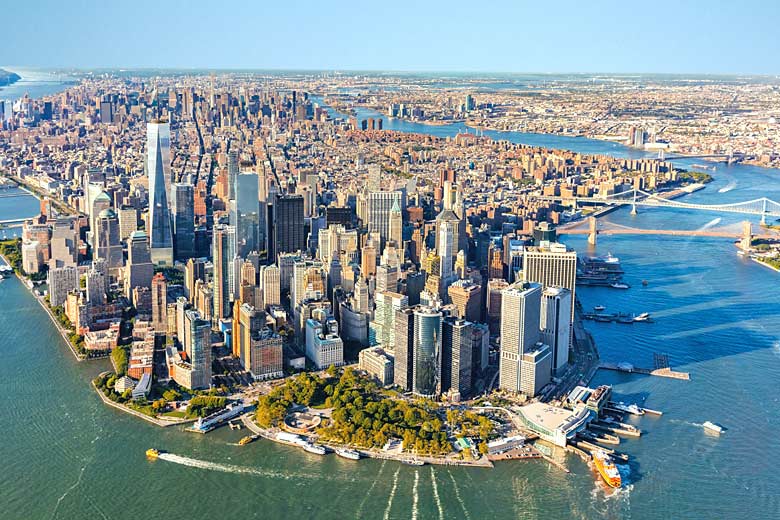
(348, 454)
(619, 285)
(642, 317)
(628, 408)
(413, 462)
(599, 308)
(314, 448)
(713, 428)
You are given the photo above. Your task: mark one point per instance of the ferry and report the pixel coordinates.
(218, 418)
(152, 454)
(348, 454)
(413, 462)
(712, 427)
(599, 308)
(314, 448)
(245, 440)
(628, 408)
(607, 469)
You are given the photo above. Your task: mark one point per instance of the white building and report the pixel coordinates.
(556, 325)
(324, 347)
(520, 309)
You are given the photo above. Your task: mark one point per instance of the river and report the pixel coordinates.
(69, 456)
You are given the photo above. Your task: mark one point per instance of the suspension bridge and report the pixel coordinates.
(762, 207)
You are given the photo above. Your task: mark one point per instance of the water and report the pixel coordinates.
(67, 455)
(35, 82)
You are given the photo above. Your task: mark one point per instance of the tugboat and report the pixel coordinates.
(607, 469)
(152, 454)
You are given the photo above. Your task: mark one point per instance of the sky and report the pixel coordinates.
(556, 36)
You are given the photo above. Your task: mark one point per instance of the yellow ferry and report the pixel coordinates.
(152, 453)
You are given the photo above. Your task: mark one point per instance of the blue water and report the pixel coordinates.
(36, 83)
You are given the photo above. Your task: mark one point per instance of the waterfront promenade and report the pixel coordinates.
(164, 423)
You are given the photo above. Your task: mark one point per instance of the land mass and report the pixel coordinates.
(7, 78)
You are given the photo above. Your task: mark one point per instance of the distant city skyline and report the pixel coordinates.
(520, 37)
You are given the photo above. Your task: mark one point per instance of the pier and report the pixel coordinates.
(660, 372)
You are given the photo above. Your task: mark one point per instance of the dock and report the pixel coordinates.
(660, 372)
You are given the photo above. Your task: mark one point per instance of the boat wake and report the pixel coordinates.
(728, 187)
(415, 495)
(711, 223)
(776, 348)
(229, 468)
(392, 495)
(458, 497)
(436, 495)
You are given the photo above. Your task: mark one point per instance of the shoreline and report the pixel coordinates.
(762, 263)
(157, 422)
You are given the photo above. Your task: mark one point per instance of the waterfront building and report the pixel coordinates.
(520, 309)
(183, 208)
(324, 347)
(553, 424)
(266, 359)
(552, 265)
(196, 374)
(377, 363)
(61, 281)
(535, 369)
(556, 325)
(426, 369)
(64, 244)
(456, 354)
(32, 257)
(159, 303)
(158, 169)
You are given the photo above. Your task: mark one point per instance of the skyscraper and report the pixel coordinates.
(159, 303)
(520, 308)
(456, 355)
(245, 215)
(552, 265)
(183, 207)
(158, 169)
(404, 348)
(380, 206)
(427, 352)
(556, 324)
(107, 243)
(200, 349)
(139, 270)
(289, 235)
(467, 298)
(222, 257)
(271, 284)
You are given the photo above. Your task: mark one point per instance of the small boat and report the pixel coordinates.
(642, 317)
(152, 454)
(348, 454)
(413, 462)
(245, 440)
(607, 469)
(314, 448)
(712, 427)
(627, 408)
(644, 282)
(599, 308)
(619, 285)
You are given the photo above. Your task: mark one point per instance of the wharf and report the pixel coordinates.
(522, 452)
(660, 372)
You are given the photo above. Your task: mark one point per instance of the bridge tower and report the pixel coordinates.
(593, 231)
(633, 204)
(763, 212)
(747, 235)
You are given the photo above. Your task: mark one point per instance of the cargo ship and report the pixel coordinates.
(607, 469)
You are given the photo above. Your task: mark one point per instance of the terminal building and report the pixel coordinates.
(553, 424)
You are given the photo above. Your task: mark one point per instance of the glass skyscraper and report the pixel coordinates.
(183, 208)
(245, 214)
(158, 169)
(427, 352)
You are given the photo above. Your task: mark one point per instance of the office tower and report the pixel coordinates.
(64, 242)
(200, 350)
(204, 299)
(535, 368)
(128, 221)
(183, 209)
(289, 235)
(61, 281)
(496, 262)
(556, 325)
(495, 290)
(158, 169)
(286, 262)
(96, 287)
(182, 306)
(384, 315)
(336, 239)
(543, 232)
(457, 340)
(426, 361)
(108, 246)
(379, 207)
(271, 283)
(194, 270)
(415, 284)
(445, 246)
(361, 296)
(377, 363)
(368, 260)
(247, 321)
(515, 250)
(159, 303)
(139, 270)
(466, 296)
(387, 278)
(552, 265)
(232, 171)
(266, 356)
(97, 201)
(404, 348)
(222, 257)
(460, 264)
(396, 225)
(246, 214)
(324, 347)
(480, 346)
(520, 308)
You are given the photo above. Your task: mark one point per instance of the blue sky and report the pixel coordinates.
(715, 36)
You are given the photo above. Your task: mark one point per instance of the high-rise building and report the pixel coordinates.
(324, 347)
(222, 255)
(200, 349)
(368, 260)
(183, 208)
(404, 348)
(96, 287)
(159, 303)
(107, 245)
(552, 265)
(466, 296)
(387, 303)
(426, 370)
(535, 368)
(247, 321)
(456, 353)
(245, 215)
(194, 270)
(61, 281)
(271, 284)
(495, 290)
(288, 234)
(232, 171)
(128, 221)
(380, 206)
(520, 309)
(556, 325)
(158, 169)
(377, 363)
(265, 355)
(396, 225)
